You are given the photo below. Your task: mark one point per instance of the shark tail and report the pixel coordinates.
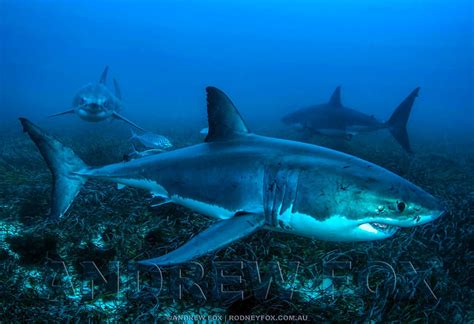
(64, 165)
(397, 124)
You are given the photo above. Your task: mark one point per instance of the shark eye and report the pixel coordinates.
(401, 206)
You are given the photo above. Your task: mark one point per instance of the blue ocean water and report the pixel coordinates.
(270, 56)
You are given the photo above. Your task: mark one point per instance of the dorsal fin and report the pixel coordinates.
(224, 119)
(335, 100)
(118, 93)
(103, 77)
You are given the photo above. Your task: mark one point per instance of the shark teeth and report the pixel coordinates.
(376, 228)
(384, 227)
(379, 225)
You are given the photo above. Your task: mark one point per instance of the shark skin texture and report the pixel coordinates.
(248, 182)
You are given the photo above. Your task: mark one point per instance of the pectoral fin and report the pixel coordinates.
(218, 235)
(159, 201)
(70, 111)
(118, 116)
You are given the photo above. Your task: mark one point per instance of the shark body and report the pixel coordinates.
(336, 120)
(95, 102)
(249, 182)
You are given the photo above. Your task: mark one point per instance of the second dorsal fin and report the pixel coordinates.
(225, 121)
(335, 100)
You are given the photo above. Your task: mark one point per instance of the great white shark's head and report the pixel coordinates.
(358, 201)
(293, 119)
(95, 103)
(315, 117)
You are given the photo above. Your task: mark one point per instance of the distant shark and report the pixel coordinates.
(95, 102)
(334, 119)
(250, 182)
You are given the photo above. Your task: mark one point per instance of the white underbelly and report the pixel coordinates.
(336, 228)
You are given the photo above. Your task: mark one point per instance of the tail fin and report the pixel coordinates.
(397, 124)
(63, 163)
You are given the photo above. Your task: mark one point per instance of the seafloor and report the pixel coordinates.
(422, 274)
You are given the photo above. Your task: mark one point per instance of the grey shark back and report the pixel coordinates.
(249, 182)
(95, 102)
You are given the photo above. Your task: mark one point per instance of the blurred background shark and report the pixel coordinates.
(95, 102)
(334, 119)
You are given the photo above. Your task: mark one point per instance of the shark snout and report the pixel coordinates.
(93, 112)
(435, 214)
(94, 107)
(421, 208)
(420, 217)
(289, 121)
(434, 209)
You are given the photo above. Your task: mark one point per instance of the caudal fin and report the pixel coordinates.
(63, 163)
(397, 124)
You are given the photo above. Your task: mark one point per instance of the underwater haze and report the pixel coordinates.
(272, 58)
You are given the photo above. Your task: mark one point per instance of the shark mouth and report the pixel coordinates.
(379, 227)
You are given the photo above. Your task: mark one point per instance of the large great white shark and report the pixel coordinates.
(249, 182)
(95, 102)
